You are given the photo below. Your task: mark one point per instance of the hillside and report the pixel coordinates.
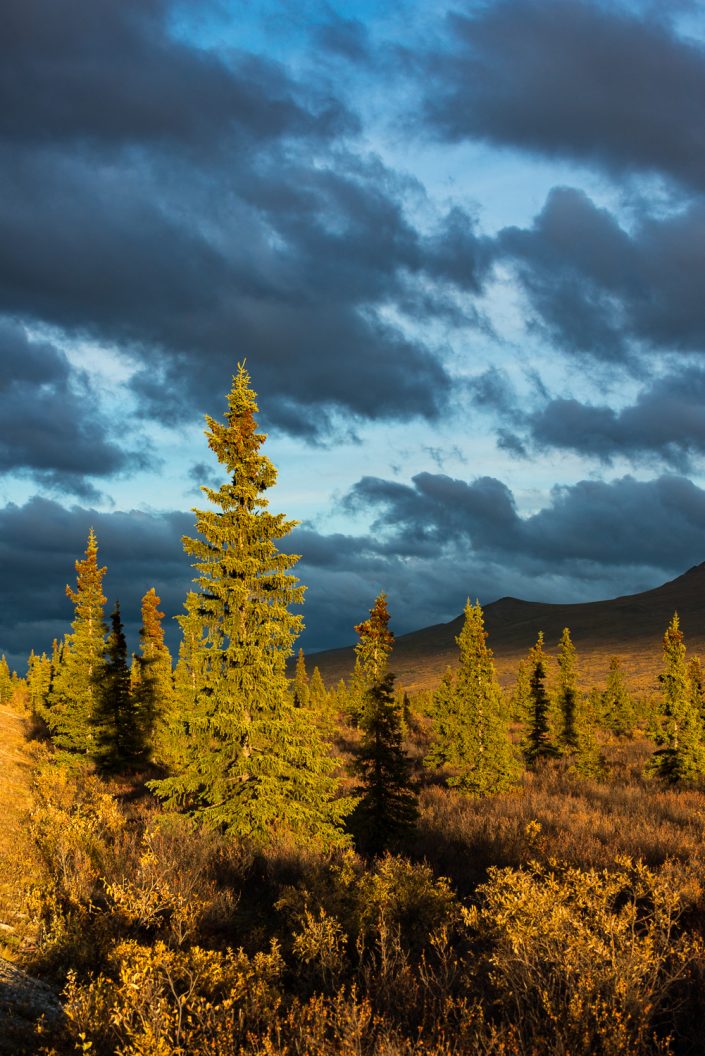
(631, 627)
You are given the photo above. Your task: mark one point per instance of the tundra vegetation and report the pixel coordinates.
(218, 858)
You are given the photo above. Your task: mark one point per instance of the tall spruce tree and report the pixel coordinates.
(681, 756)
(568, 691)
(76, 682)
(471, 727)
(252, 763)
(538, 743)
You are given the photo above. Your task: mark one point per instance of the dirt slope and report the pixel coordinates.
(630, 627)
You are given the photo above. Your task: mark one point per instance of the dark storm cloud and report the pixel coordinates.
(434, 542)
(110, 72)
(50, 426)
(597, 288)
(585, 80)
(591, 524)
(667, 421)
(193, 209)
(39, 544)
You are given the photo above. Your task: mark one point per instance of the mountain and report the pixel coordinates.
(631, 627)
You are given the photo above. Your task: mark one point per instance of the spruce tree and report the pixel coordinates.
(152, 679)
(387, 810)
(538, 743)
(252, 763)
(681, 756)
(118, 739)
(318, 694)
(471, 728)
(520, 697)
(374, 645)
(568, 691)
(301, 691)
(697, 686)
(617, 705)
(76, 682)
(38, 684)
(5, 681)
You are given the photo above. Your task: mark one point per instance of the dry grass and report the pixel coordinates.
(16, 863)
(558, 815)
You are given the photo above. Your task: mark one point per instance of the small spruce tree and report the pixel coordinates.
(301, 689)
(374, 645)
(471, 728)
(5, 681)
(681, 755)
(538, 743)
(568, 691)
(318, 694)
(387, 810)
(152, 678)
(118, 741)
(76, 682)
(617, 705)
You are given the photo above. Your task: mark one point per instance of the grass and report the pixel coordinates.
(15, 856)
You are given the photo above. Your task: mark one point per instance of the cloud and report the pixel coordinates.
(667, 422)
(587, 527)
(598, 289)
(51, 427)
(599, 83)
(433, 543)
(39, 544)
(191, 207)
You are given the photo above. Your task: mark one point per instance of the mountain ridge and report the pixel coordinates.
(630, 626)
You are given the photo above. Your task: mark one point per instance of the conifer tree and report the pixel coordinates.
(374, 645)
(617, 705)
(387, 810)
(76, 682)
(697, 685)
(118, 740)
(681, 756)
(252, 763)
(520, 697)
(152, 680)
(538, 742)
(568, 691)
(318, 694)
(38, 684)
(301, 684)
(471, 728)
(5, 681)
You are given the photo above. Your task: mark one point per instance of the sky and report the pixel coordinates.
(460, 246)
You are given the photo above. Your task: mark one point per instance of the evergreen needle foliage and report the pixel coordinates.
(681, 757)
(387, 811)
(77, 679)
(153, 680)
(538, 743)
(471, 728)
(245, 759)
(568, 691)
(118, 738)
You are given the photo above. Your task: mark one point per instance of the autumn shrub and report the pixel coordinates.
(585, 961)
(156, 1001)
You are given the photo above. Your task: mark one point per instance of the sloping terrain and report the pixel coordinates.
(630, 627)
